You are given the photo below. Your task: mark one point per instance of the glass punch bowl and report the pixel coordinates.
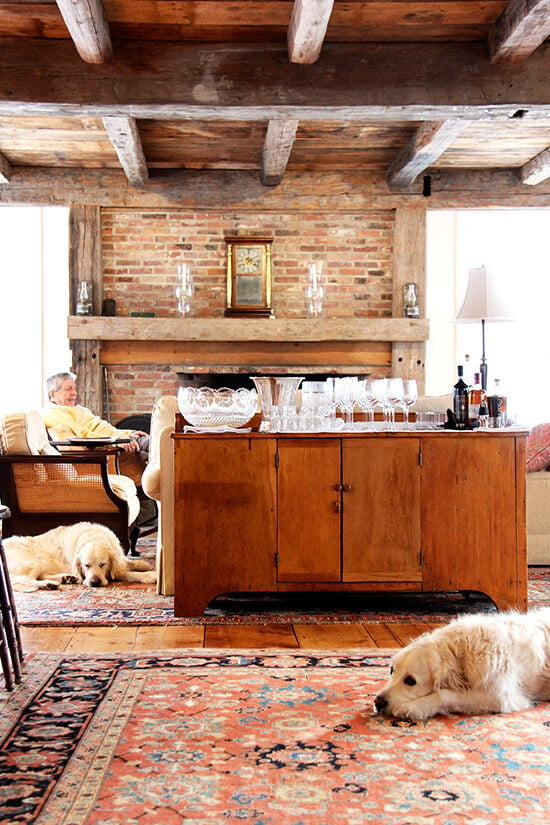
(208, 407)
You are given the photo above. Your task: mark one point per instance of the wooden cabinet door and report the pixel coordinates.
(473, 516)
(381, 510)
(309, 502)
(225, 518)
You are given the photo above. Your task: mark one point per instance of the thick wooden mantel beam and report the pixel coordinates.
(520, 29)
(389, 81)
(307, 29)
(88, 27)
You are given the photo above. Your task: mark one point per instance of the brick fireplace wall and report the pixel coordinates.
(141, 249)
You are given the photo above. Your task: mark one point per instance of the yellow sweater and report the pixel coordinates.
(65, 422)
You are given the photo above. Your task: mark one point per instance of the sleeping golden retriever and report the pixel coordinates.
(82, 553)
(476, 664)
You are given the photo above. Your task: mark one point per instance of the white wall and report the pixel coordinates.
(515, 247)
(34, 252)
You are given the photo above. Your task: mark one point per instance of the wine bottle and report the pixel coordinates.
(460, 401)
(477, 399)
(498, 406)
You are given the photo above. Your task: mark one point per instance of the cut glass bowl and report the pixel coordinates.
(208, 407)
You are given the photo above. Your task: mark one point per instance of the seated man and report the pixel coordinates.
(64, 418)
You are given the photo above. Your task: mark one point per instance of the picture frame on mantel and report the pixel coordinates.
(249, 276)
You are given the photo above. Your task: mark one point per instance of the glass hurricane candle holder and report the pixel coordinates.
(185, 289)
(315, 289)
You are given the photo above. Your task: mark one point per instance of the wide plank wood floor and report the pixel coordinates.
(253, 637)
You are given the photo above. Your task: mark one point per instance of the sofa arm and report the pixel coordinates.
(150, 481)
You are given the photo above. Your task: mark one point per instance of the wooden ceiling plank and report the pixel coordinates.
(426, 145)
(520, 29)
(307, 29)
(537, 169)
(124, 136)
(278, 144)
(5, 169)
(88, 27)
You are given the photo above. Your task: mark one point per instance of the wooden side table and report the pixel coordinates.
(11, 649)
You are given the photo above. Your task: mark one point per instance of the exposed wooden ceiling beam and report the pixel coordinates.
(307, 29)
(124, 136)
(520, 29)
(240, 82)
(5, 169)
(537, 170)
(427, 144)
(88, 27)
(278, 144)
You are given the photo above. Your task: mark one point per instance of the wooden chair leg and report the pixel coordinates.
(4, 658)
(9, 617)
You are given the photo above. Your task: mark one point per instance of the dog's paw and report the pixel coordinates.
(148, 577)
(69, 579)
(48, 585)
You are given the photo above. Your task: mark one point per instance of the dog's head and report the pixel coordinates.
(96, 555)
(417, 675)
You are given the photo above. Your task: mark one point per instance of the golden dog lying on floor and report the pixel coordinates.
(476, 664)
(82, 553)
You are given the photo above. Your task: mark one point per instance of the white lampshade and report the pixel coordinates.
(482, 301)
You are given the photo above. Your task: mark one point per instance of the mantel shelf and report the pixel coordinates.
(100, 328)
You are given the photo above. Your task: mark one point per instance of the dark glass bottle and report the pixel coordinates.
(460, 401)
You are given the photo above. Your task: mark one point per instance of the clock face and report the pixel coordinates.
(248, 260)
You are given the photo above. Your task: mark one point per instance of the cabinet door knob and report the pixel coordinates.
(338, 487)
(336, 506)
(346, 488)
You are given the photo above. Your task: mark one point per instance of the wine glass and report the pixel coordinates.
(394, 397)
(410, 396)
(380, 390)
(344, 395)
(366, 399)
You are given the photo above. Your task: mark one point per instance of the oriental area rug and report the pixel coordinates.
(267, 739)
(136, 604)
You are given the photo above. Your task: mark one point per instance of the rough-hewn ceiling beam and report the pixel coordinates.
(307, 29)
(278, 144)
(520, 29)
(5, 169)
(124, 136)
(537, 170)
(240, 82)
(428, 142)
(88, 27)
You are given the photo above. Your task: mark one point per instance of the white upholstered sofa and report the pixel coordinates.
(158, 483)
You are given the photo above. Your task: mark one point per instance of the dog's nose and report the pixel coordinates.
(95, 582)
(380, 703)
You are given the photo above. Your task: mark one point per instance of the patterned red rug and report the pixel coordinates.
(270, 739)
(134, 604)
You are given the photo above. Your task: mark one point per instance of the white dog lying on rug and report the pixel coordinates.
(82, 553)
(476, 664)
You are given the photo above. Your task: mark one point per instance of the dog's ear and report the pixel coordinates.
(452, 674)
(76, 568)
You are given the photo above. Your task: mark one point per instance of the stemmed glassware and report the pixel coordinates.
(380, 390)
(366, 400)
(410, 396)
(394, 397)
(345, 393)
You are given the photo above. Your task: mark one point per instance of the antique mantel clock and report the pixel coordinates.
(249, 276)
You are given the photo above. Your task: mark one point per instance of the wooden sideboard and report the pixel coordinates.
(381, 511)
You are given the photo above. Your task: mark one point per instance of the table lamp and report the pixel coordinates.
(482, 302)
